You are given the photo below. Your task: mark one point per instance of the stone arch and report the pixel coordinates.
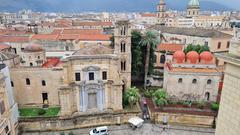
(207, 96)
(162, 59)
(123, 46)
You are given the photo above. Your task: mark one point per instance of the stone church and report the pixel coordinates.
(95, 77)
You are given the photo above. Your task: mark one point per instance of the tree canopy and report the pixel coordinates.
(197, 48)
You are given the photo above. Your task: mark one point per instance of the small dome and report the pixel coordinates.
(206, 56)
(33, 48)
(193, 57)
(179, 56)
(193, 3)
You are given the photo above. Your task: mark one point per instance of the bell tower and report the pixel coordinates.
(161, 8)
(122, 48)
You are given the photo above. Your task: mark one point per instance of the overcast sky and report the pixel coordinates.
(104, 5)
(231, 3)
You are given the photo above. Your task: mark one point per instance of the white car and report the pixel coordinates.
(99, 131)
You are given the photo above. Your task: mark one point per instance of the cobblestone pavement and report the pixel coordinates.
(146, 129)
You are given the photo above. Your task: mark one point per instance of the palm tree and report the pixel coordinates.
(149, 40)
(132, 95)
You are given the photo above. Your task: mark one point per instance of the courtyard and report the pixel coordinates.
(146, 129)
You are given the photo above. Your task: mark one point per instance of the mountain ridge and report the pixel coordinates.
(104, 5)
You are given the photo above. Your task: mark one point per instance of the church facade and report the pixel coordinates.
(95, 77)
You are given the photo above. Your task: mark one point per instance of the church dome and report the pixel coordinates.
(179, 56)
(193, 57)
(193, 3)
(206, 56)
(33, 48)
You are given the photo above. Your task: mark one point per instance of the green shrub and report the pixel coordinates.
(172, 102)
(215, 106)
(187, 103)
(62, 133)
(149, 93)
(41, 111)
(70, 133)
(160, 97)
(201, 104)
(132, 96)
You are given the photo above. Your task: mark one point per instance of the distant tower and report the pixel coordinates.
(161, 7)
(122, 48)
(193, 8)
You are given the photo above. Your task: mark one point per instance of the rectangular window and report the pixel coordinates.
(228, 44)
(2, 107)
(45, 98)
(14, 50)
(91, 76)
(22, 49)
(219, 45)
(77, 76)
(104, 75)
(12, 84)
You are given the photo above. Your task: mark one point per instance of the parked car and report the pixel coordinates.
(99, 131)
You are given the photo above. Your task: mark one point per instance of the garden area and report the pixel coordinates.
(159, 101)
(39, 112)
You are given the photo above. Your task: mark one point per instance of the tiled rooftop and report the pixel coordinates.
(94, 50)
(170, 47)
(199, 32)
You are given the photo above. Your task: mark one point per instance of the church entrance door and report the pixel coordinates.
(92, 100)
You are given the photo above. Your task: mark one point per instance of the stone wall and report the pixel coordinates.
(74, 122)
(229, 118)
(31, 95)
(184, 119)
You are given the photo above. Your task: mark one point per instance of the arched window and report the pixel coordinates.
(123, 47)
(162, 59)
(43, 83)
(207, 96)
(123, 65)
(28, 81)
(67, 48)
(194, 81)
(180, 80)
(39, 57)
(31, 64)
(12, 84)
(209, 81)
(123, 30)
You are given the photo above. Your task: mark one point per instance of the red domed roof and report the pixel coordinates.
(206, 56)
(33, 48)
(179, 56)
(193, 56)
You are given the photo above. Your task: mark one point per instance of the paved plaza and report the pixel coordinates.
(146, 129)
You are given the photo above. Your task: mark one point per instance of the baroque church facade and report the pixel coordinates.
(95, 77)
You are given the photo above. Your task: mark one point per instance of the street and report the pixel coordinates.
(146, 129)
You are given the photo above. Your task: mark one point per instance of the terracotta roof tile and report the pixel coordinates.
(57, 31)
(78, 23)
(198, 70)
(170, 47)
(53, 62)
(149, 15)
(82, 31)
(14, 39)
(68, 36)
(99, 37)
(44, 37)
